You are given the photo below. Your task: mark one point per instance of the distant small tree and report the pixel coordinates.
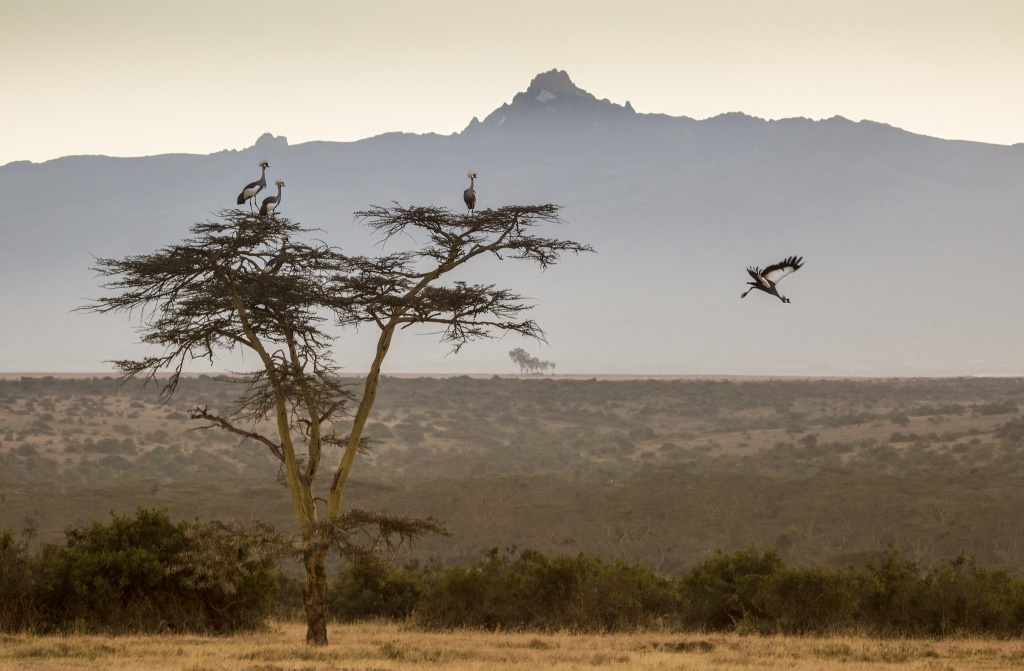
(521, 358)
(528, 363)
(218, 291)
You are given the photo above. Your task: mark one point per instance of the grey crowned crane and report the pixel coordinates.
(469, 195)
(766, 279)
(270, 203)
(275, 263)
(250, 190)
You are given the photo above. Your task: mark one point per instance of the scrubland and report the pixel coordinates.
(666, 471)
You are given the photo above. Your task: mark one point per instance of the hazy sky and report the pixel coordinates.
(140, 77)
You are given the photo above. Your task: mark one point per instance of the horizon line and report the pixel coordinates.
(14, 376)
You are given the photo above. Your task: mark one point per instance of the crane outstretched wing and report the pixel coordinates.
(775, 272)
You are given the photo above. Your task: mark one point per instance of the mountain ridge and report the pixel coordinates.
(526, 104)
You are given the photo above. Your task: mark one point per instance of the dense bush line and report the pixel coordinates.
(748, 591)
(145, 573)
(140, 574)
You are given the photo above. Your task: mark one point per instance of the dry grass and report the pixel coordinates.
(379, 647)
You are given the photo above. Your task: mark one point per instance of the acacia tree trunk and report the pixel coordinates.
(314, 597)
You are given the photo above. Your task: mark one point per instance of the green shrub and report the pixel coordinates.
(369, 589)
(806, 600)
(723, 590)
(17, 582)
(890, 591)
(141, 574)
(1005, 408)
(961, 597)
(528, 590)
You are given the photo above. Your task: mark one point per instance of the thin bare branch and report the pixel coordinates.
(217, 421)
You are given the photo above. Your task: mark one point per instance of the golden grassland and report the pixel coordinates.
(381, 646)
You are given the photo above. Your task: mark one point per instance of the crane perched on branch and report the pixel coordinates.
(469, 195)
(210, 294)
(253, 188)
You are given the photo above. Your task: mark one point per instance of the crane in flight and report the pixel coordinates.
(766, 279)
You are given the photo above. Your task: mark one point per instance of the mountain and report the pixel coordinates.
(552, 103)
(911, 243)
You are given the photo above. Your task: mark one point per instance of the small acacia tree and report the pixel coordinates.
(212, 293)
(529, 363)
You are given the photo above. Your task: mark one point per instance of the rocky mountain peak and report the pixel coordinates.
(555, 84)
(269, 140)
(553, 101)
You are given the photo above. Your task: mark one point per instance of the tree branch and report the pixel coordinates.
(203, 413)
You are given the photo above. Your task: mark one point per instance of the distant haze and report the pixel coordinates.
(911, 243)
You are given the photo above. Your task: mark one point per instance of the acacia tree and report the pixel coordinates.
(218, 291)
(529, 363)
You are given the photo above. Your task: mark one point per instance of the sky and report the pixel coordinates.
(139, 77)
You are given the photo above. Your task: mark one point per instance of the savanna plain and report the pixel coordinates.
(663, 472)
(379, 646)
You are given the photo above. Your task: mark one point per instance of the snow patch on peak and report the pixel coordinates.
(546, 95)
(555, 83)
